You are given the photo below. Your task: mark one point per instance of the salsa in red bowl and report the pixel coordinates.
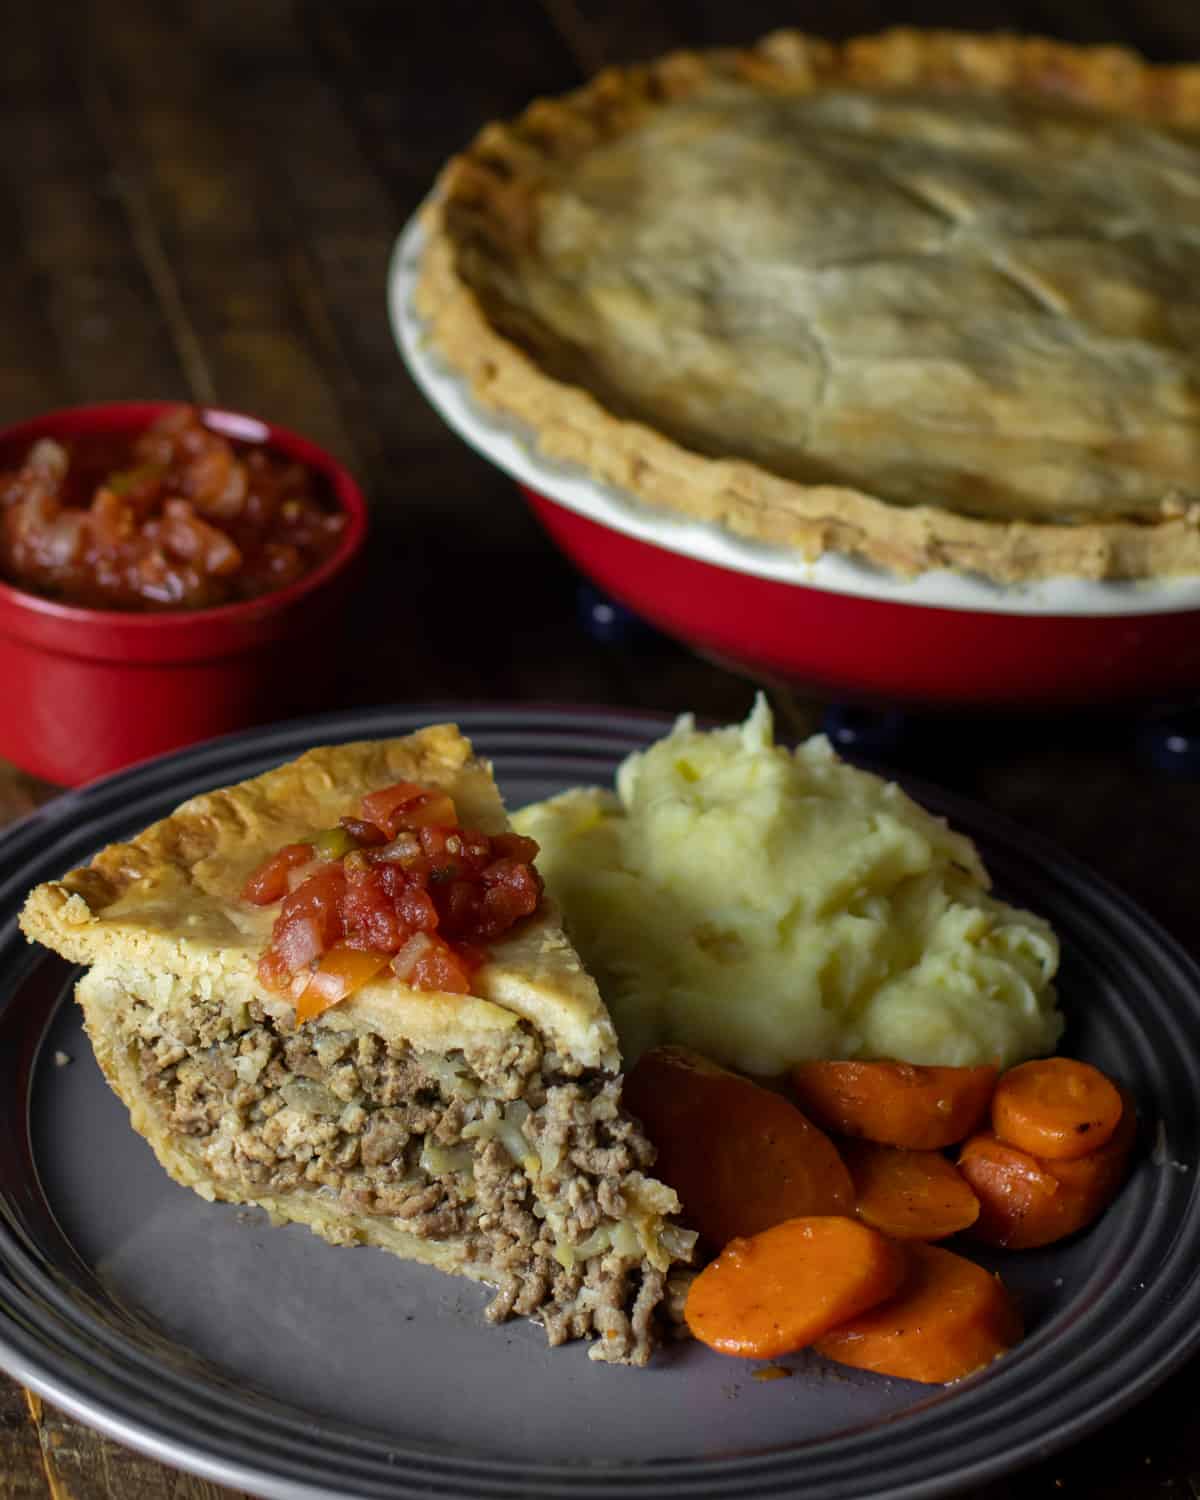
(167, 573)
(178, 515)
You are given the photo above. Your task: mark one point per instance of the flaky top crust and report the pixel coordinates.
(164, 909)
(1128, 508)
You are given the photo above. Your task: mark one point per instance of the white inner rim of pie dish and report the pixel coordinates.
(512, 447)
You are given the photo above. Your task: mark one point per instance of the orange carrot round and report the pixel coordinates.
(1055, 1107)
(911, 1195)
(1026, 1201)
(740, 1156)
(950, 1317)
(779, 1290)
(895, 1103)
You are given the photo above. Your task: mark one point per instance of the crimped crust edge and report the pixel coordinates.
(486, 191)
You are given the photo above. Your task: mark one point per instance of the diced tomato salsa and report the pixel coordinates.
(398, 885)
(179, 517)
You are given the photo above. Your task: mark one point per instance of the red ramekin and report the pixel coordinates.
(86, 691)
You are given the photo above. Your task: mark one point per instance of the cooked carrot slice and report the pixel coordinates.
(912, 1195)
(895, 1103)
(779, 1290)
(1026, 1201)
(950, 1317)
(1055, 1107)
(741, 1157)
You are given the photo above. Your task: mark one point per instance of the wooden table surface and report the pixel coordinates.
(199, 202)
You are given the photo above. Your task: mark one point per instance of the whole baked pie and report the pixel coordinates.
(929, 299)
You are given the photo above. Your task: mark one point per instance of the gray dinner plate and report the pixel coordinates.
(265, 1359)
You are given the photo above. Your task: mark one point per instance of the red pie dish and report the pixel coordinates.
(887, 649)
(162, 621)
(834, 625)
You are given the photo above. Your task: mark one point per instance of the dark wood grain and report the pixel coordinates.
(200, 200)
(602, 33)
(71, 205)
(31, 374)
(22, 1475)
(172, 115)
(78, 1464)
(727, 25)
(1164, 32)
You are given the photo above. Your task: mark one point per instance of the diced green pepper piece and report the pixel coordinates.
(127, 479)
(334, 843)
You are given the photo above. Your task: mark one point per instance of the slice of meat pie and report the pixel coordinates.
(338, 991)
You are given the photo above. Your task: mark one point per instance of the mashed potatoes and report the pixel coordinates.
(765, 906)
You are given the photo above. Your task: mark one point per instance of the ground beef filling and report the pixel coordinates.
(442, 1148)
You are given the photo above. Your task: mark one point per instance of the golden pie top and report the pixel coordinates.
(163, 912)
(931, 299)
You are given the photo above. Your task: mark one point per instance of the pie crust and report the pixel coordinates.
(929, 299)
(168, 902)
